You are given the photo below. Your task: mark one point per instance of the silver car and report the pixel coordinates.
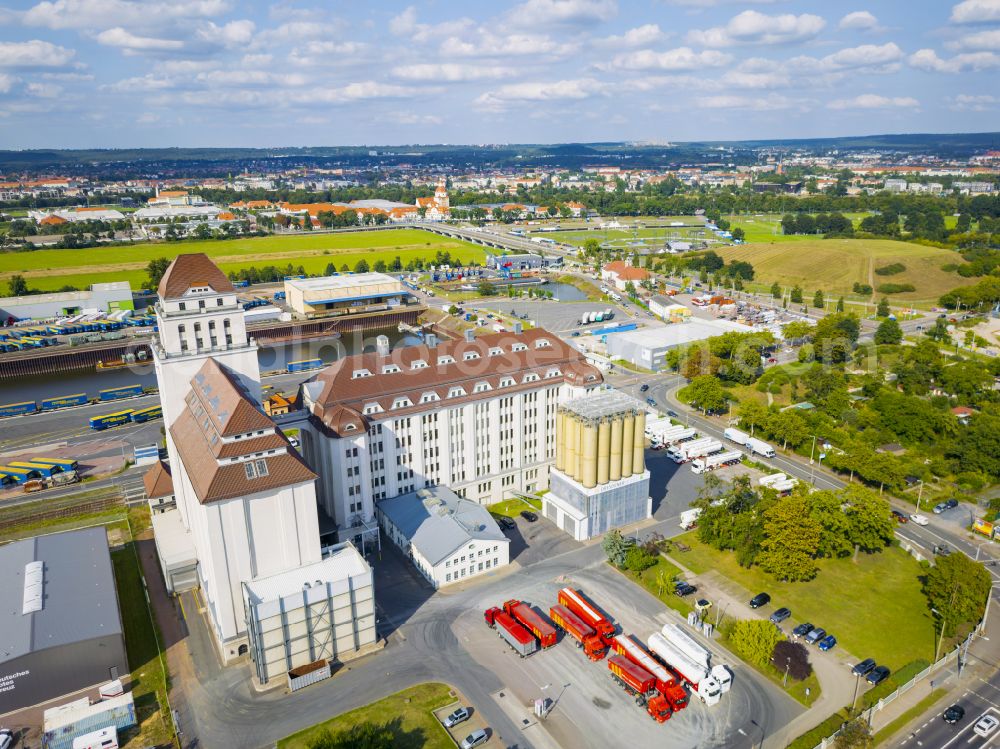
(476, 738)
(460, 715)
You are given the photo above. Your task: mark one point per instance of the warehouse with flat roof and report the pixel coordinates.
(344, 294)
(102, 297)
(60, 628)
(648, 347)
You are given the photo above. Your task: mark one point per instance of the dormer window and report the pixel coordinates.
(402, 402)
(495, 351)
(554, 372)
(543, 343)
(456, 392)
(446, 359)
(371, 408)
(390, 369)
(419, 364)
(429, 397)
(519, 347)
(506, 382)
(481, 387)
(359, 373)
(470, 355)
(255, 468)
(531, 377)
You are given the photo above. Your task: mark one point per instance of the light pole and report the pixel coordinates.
(937, 650)
(788, 665)
(857, 684)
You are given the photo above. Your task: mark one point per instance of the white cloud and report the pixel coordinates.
(101, 14)
(742, 79)
(713, 3)
(43, 90)
(758, 103)
(874, 101)
(975, 103)
(681, 58)
(405, 23)
(326, 52)
(753, 27)
(490, 45)
(640, 36)
(232, 34)
(864, 56)
(450, 72)
(359, 91)
(33, 54)
(409, 118)
(534, 12)
(976, 11)
(6, 82)
(981, 40)
(574, 89)
(297, 31)
(119, 37)
(927, 59)
(859, 20)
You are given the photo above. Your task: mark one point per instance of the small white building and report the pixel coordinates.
(448, 538)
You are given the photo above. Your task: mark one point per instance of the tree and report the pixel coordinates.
(361, 266)
(753, 415)
(939, 332)
(738, 234)
(871, 527)
(638, 558)
(840, 304)
(17, 286)
(791, 537)
(616, 547)
(699, 360)
(155, 270)
(794, 657)
(379, 266)
(888, 333)
(834, 337)
(883, 308)
(797, 330)
(818, 301)
(854, 735)
(789, 427)
(957, 588)
(796, 295)
(754, 640)
(707, 393)
(485, 288)
(776, 290)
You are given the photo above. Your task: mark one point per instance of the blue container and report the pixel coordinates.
(305, 364)
(126, 391)
(111, 420)
(63, 401)
(16, 409)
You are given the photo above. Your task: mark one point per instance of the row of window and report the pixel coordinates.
(456, 391)
(472, 568)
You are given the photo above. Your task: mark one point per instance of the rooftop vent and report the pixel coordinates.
(470, 335)
(431, 340)
(33, 584)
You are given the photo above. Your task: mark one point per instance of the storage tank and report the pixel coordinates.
(571, 447)
(639, 443)
(560, 440)
(603, 451)
(589, 479)
(628, 445)
(615, 469)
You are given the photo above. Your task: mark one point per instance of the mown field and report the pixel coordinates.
(51, 269)
(835, 265)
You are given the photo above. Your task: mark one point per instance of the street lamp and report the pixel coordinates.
(937, 650)
(756, 724)
(857, 684)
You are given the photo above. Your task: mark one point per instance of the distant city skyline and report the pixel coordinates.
(216, 73)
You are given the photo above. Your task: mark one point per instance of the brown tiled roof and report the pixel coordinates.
(157, 481)
(190, 270)
(344, 397)
(221, 397)
(342, 420)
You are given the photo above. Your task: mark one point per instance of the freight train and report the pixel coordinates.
(66, 401)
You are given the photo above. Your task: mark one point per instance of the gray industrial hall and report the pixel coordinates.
(60, 627)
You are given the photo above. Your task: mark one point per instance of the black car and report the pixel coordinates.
(643, 388)
(864, 668)
(954, 714)
(684, 589)
(877, 675)
(802, 630)
(952, 503)
(780, 615)
(506, 523)
(761, 599)
(529, 516)
(671, 413)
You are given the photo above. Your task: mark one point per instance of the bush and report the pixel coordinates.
(754, 640)
(638, 559)
(890, 270)
(793, 655)
(896, 288)
(862, 288)
(894, 682)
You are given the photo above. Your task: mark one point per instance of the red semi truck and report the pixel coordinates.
(520, 639)
(532, 621)
(667, 683)
(585, 636)
(634, 679)
(580, 606)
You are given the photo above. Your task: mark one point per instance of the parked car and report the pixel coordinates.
(672, 414)
(940, 507)
(953, 714)
(952, 503)
(460, 715)
(651, 402)
(942, 550)
(864, 668)
(828, 643)
(506, 523)
(575, 334)
(986, 725)
(780, 615)
(900, 516)
(815, 635)
(6, 738)
(802, 630)
(761, 599)
(476, 738)
(684, 589)
(529, 516)
(643, 388)
(919, 519)
(877, 675)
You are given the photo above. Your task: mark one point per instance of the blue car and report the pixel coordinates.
(828, 643)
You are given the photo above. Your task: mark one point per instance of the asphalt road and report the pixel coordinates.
(982, 699)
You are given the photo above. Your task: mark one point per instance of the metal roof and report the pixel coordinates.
(602, 404)
(347, 280)
(438, 522)
(79, 600)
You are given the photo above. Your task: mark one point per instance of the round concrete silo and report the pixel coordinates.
(628, 443)
(560, 440)
(603, 451)
(639, 444)
(589, 456)
(570, 468)
(615, 468)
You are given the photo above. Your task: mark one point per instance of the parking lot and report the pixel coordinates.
(559, 318)
(466, 727)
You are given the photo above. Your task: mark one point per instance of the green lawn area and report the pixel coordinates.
(148, 672)
(409, 713)
(875, 607)
(658, 580)
(513, 507)
(50, 269)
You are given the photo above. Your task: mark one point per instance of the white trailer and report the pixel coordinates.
(697, 449)
(658, 425)
(691, 647)
(774, 478)
(705, 686)
(685, 433)
(689, 518)
(711, 462)
(759, 447)
(783, 487)
(735, 435)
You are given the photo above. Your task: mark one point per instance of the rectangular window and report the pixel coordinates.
(261, 466)
(250, 471)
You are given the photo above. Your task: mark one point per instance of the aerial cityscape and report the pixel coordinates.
(538, 375)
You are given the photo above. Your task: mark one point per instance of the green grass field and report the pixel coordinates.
(874, 607)
(51, 269)
(409, 713)
(834, 265)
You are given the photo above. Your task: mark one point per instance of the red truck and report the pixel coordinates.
(667, 683)
(584, 635)
(576, 603)
(532, 621)
(634, 679)
(520, 639)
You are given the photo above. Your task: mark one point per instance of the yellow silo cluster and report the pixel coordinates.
(600, 447)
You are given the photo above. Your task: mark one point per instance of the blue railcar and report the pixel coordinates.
(17, 409)
(125, 391)
(63, 401)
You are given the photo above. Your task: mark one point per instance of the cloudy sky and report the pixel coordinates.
(125, 73)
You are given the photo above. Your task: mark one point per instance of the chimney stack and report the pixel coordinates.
(470, 335)
(518, 328)
(431, 340)
(382, 346)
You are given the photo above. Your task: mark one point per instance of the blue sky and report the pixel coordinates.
(126, 73)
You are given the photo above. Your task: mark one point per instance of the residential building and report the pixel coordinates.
(449, 539)
(620, 274)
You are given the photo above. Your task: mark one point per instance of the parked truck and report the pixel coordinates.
(689, 518)
(735, 435)
(774, 478)
(759, 447)
(520, 639)
(711, 462)
(634, 679)
(576, 603)
(581, 632)
(687, 451)
(698, 652)
(667, 683)
(680, 434)
(526, 616)
(697, 676)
